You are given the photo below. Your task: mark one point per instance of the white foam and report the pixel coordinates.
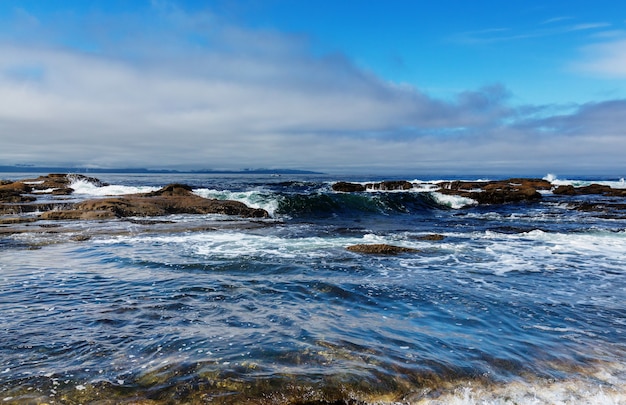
(540, 251)
(621, 183)
(82, 187)
(233, 244)
(535, 393)
(254, 199)
(452, 201)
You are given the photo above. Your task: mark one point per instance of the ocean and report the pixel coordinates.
(520, 303)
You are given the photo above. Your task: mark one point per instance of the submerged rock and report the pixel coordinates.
(380, 249)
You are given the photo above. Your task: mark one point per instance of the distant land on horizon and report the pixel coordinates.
(86, 170)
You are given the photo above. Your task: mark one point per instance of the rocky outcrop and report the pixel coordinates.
(346, 187)
(14, 192)
(16, 198)
(380, 249)
(495, 192)
(390, 185)
(172, 199)
(599, 189)
(434, 237)
(492, 192)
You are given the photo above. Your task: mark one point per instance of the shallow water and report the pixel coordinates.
(520, 303)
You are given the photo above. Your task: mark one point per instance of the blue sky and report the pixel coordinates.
(519, 87)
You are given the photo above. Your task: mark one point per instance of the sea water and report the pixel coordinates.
(514, 304)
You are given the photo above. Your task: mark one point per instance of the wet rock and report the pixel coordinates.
(346, 187)
(389, 186)
(13, 192)
(16, 220)
(380, 249)
(430, 237)
(599, 189)
(491, 192)
(62, 191)
(497, 192)
(59, 215)
(171, 199)
(60, 181)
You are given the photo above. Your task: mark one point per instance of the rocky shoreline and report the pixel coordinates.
(45, 205)
(489, 192)
(36, 205)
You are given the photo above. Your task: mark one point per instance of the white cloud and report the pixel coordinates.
(607, 59)
(201, 93)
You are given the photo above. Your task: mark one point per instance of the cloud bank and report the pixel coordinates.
(200, 93)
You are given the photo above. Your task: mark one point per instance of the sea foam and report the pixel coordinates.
(254, 199)
(83, 187)
(452, 201)
(552, 178)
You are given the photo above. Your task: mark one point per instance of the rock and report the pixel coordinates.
(564, 190)
(62, 191)
(170, 190)
(491, 192)
(77, 214)
(171, 199)
(346, 187)
(590, 189)
(497, 192)
(431, 237)
(389, 185)
(60, 181)
(13, 192)
(382, 186)
(380, 249)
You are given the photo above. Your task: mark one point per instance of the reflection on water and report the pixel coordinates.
(514, 304)
(159, 318)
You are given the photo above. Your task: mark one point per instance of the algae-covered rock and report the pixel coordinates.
(380, 249)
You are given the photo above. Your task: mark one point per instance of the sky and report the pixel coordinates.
(416, 87)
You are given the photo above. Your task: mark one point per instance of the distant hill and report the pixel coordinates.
(56, 169)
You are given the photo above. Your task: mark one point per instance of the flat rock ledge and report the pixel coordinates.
(15, 198)
(380, 249)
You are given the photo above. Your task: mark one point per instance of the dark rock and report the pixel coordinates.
(62, 191)
(491, 192)
(380, 249)
(496, 192)
(431, 237)
(389, 185)
(77, 214)
(13, 192)
(60, 181)
(564, 190)
(174, 189)
(590, 189)
(346, 187)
